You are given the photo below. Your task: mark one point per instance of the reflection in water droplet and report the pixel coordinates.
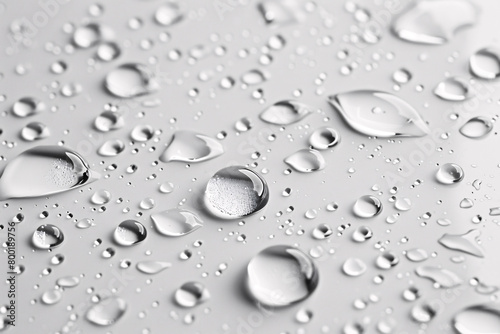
(152, 267)
(450, 173)
(285, 112)
(176, 222)
(454, 89)
(235, 192)
(324, 138)
(107, 312)
(189, 146)
(443, 277)
(485, 63)
(100, 197)
(306, 161)
(362, 233)
(111, 148)
(367, 206)
(322, 231)
(109, 120)
(130, 232)
(476, 127)
(398, 119)
(51, 297)
(478, 319)
(191, 294)
(281, 275)
(417, 255)
(423, 312)
(168, 14)
(254, 77)
(35, 131)
(131, 80)
(27, 106)
(354, 267)
(434, 21)
(466, 242)
(47, 236)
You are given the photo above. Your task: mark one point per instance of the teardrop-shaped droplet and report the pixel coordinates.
(485, 63)
(27, 106)
(443, 277)
(269, 273)
(51, 297)
(68, 281)
(477, 127)
(234, 192)
(108, 51)
(416, 255)
(354, 267)
(282, 12)
(130, 232)
(478, 319)
(324, 138)
(152, 267)
(107, 312)
(111, 148)
(454, 89)
(176, 222)
(109, 120)
(434, 21)
(379, 114)
(285, 112)
(168, 14)
(142, 133)
(463, 242)
(35, 131)
(189, 146)
(254, 77)
(367, 206)
(450, 173)
(47, 236)
(44, 170)
(306, 161)
(131, 80)
(191, 294)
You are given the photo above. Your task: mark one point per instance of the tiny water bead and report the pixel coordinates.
(47, 236)
(485, 63)
(106, 312)
(269, 276)
(130, 232)
(324, 138)
(367, 207)
(450, 173)
(191, 294)
(235, 192)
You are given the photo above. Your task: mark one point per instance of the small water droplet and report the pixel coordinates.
(386, 260)
(423, 312)
(51, 297)
(254, 77)
(466, 203)
(169, 14)
(450, 173)
(454, 89)
(107, 312)
(68, 281)
(191, 294)
(100, 197)
(322, 231)
(35, 131)
(152, 267)
(176, 222)
(131, 80)
(324, 138)
(189, 146)
(90, 35)
(306, 161)
(354, 267)
(130, 232)
(285, 112)
(303, 316)
(142, 133)
(111, 148)
(108, 51)
(416, 255)
(27, 106)
(367, 206)
(109, 120)
(485, 63)
(401, 76)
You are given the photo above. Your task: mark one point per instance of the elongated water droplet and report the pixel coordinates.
(234, 192)
(463, 242)
(324, 138)
(379, 114)
(176, 222)
(485, 63)
(254, 77)
(454, 89)
(111, 148)
(423, 312)
(189, 146)
(107, 312)
(434, 21)
(152, 267)
(450, 173)
(44, 170)
(367, 207)
(109, 120)
(476, 127)
(443, 277)
(354, 267)
(47, 236)
(416, 255)
(35, 131)
(285, 112)
(386, 260)
(281, 275)
(402, 76)
(27, 106)
(191, 294)
(130, 232)
(131, 80)
(68, 281)
(306, 161)
(84, 223)
(168, 14)
(478, 319)
(51, 297)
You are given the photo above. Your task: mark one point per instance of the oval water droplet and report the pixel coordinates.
(269, 273)
(47, 236)
(51, 297)
(450, 173)
(100, 197)
(108, 51)
(176, 222)
(478, 319)
(27, 106)
(84, 223)
(322, 231)
(303, 316)
(254, 77)
(109, 120)
(152, 267)
(386, 260)
(401, 76)
(131, 80)
(285, 112)
(35, 131)
(111, 148)
(130, 232)
(396, 118)
(367, 206)
(90, 35)
(168, 14)
(423, 312)
(354, 267)
(234, 192)
(362, 234)
(476, 127)
(306, 161)
(454, 89)
(68, 281)
(189, 146)
(107, 312)
(416, 255)
(485, 63)
(191, 294)
(142, 133)
(324, 138)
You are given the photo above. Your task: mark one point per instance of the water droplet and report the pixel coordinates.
(84, 223)
(463, 242)
(27, 106)
(109, 120)
(58, 67)
(353, 328)
(281, 276)
(403, 204)
(396, 119)
(90, 35)
(68, 281)
(131, 80)
(285, 112)
(108, 253)
(303, 316)
(191, 294)
(276, 42)
(466, 203)
(324, 138)
(189, 146)
(243, 125)
(235, 192)
(147, 204)
(450, 173)
(111, 148)
(176, 222)
(168, 14)
(100, 197)
(322, 231)
(423, 312)
(51, 297)
(454, 89)
(367, 206)
(35, 131)
(281, 12)
(444, 222)
(152, 267)
(107, 312)
(354, 267)
(443, 277)
(485, 63)
(386, 260)
(254, 77)
(411, 294)
(362, 233)
(47, 236)
(478, 319)
(167, 187)
(130, 232)
(306, 161)
(476, 127)
(434, 21)
(495, 211)
(108, 51)
(417, 255)
(401, 76)
(142, 133)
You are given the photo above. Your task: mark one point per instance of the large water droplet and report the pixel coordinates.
(443, 277)
(379, 114)
(152, 267)
(27, 106)
(485, 63)
(367, 206)
(191, 294)
(285, 112)
(176, 222)
(450, 173)
(434, 21)
(44, 170)
(478, 319)
(354, 267)
(47, 236)
(476, 127)
(130, 232)
(454, 89)
(107, 311)
(324, 138)
(281, 275)
(189, 146)
(168, 14)
(463, 242)
(131, 80)
(306, 161)
(234, 192)
(35, 131)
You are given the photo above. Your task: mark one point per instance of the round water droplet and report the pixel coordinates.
(324, 138)
(131, 80)
(306, 161)
(35, 131)
(147, 203)
(51, 297)
(234, 192)
(58, 67)
(354, 267)
(403, 204)
(107, 311)
(111, 148)
(386, 260)
(90, 35)
(243, 125)
(100, 197)
(168, 14)
(401, 76)
(269, 273)
(108, 51)
(109, 120)
(191, 294)
(367, 207)
(322, 231)
(454, 89)
(423, 313)
(303, 316)
(476, 127)
(478, 319)
(450, 173)
(130, 232)
(142, 133)
(166, 187)
(485, 63)
(362, 233)
(27, 106)
(47, 236)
